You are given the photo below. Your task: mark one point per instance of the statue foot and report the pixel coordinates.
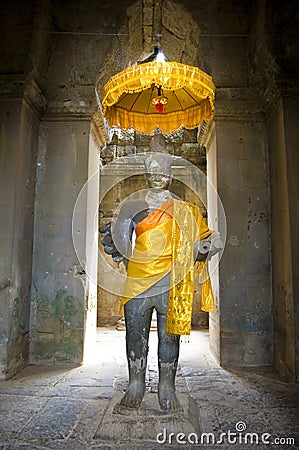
(134, 395)
(168, 399)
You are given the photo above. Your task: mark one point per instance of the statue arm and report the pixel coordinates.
(117, 235)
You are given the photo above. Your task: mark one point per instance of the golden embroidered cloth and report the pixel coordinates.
(128, 95)
(165, 243)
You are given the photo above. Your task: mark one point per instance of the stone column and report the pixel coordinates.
(90, 252)
(20, 102)
(241, 328)
(284, 163)
(58, 289)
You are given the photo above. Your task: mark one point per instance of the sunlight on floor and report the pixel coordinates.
(111, 347)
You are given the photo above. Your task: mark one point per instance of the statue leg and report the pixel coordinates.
(168, 354)
(137, 333)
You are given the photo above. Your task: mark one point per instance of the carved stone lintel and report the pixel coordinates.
(22, 86)
(100, 129)
(238, 102)
(34, 96)
(12, 86)
(281, 87)
(66, 117)
(202, 130)
(208, 135)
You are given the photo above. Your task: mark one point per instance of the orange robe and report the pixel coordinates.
(165, 243)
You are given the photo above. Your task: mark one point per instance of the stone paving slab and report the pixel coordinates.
(56, 420)
(61, 408)
(15, 410)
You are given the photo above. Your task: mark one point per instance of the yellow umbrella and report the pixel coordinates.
(158, 95)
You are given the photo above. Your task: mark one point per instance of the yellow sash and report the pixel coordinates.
(165, 242)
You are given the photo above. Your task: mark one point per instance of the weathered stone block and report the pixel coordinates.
(257, 349)
(147, 14)
(252, 174)
(176, 19)
(173, 46)
(135, 30)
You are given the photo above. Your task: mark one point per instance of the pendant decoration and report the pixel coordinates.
(160, 101)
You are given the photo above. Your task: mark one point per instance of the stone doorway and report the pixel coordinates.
(236, 165)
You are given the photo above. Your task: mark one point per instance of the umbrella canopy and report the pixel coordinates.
(156, 95)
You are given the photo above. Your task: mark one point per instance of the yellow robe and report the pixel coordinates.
(165, 243)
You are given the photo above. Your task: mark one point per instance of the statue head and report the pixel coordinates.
(158, 163)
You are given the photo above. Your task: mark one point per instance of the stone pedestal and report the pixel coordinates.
(148, 423)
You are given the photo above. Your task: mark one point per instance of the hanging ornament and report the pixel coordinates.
(160, 101)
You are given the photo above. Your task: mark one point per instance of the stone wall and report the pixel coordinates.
(77, 39)
(274, 70)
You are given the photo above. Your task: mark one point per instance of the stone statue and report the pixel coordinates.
(161, 237)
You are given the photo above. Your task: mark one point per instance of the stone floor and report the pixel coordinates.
(68, 408)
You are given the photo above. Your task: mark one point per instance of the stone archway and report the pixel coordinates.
(242, 330)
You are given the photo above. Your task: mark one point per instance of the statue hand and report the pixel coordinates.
(107, 242)
(208, 247)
